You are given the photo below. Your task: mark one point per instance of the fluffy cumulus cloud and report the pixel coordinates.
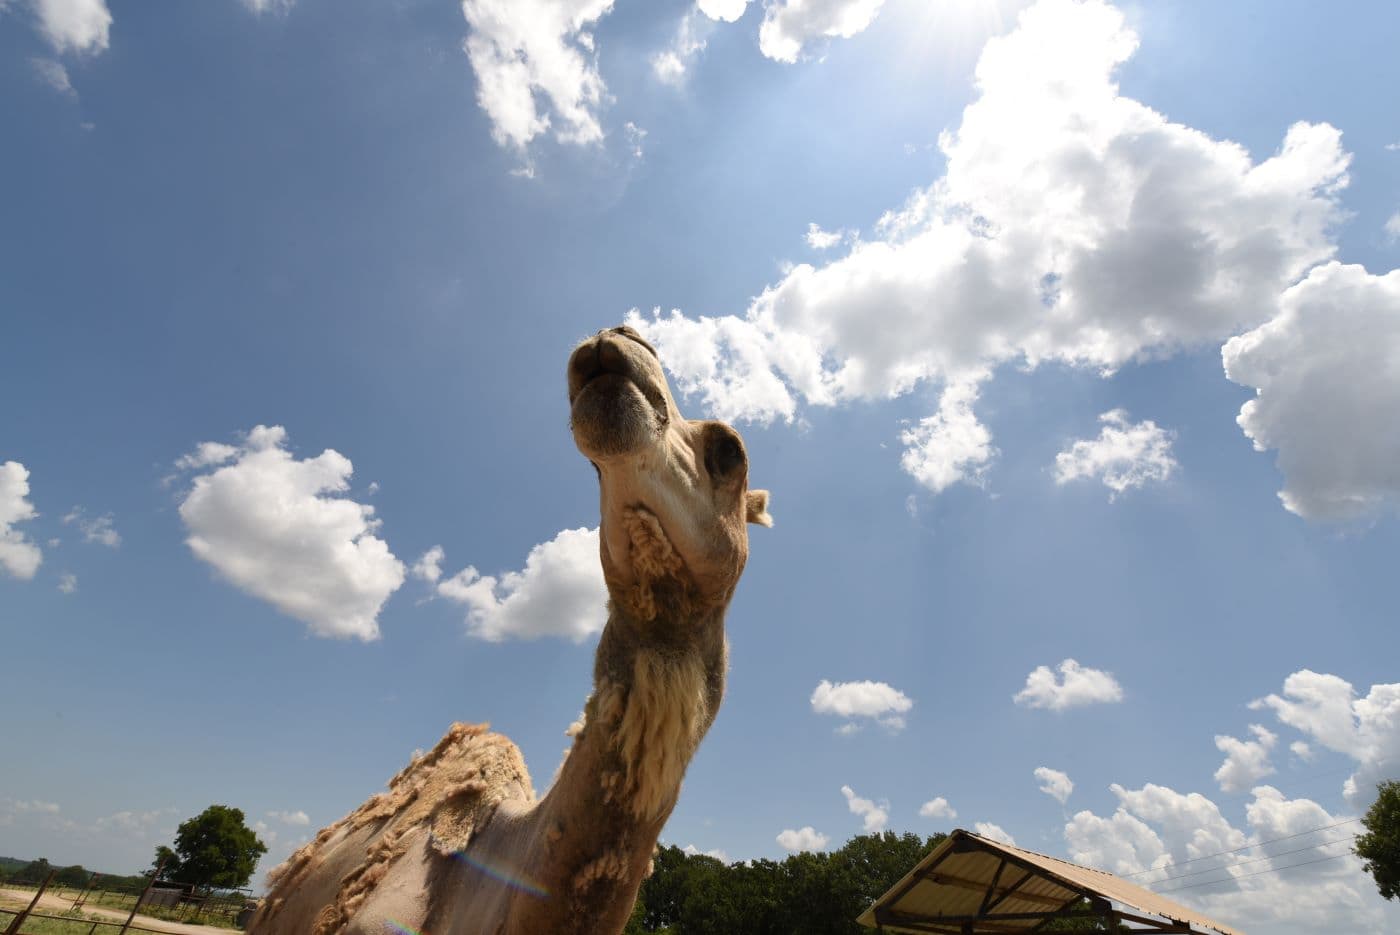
(950, 446)
(1327, 390)
(938, 807)
(819, 239)
(1392, 227)
(429, 565)
(717, 853)
(54, 74)
(560, 592)
(1124, 455)
(96, 529)
(1329, 711)
(789, 26)
(805, 838)
(1074, 687)
(1072, 224)
(297, 818)
(726, 11)
(993, 832)
(672, 64)
(873, 817)
(19, 556)
(68, 582)
(877, 701)
(1246, 761)
(1182, 846)
(1054, 783)
(535, 67)
(268, 6)
(273, 525)
(74, 25)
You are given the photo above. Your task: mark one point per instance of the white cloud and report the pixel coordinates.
(260, 7)
(874, 817)
(1125, 454)
(98, 529)
(790, 25)
(429, 565)
(529, 52)
(672, 64)
(1121, 843)
(1246, 761)
(727, 11)
(207, 454)
(634, 136)
(560, 592)
(806, 838)
(1074, 687)
(819, 239)
(950, 445)
(74, 25)
(18, 555)
(1301, 750)
(1392, 226)
(1156, 828)
(994, 832)
(68, 582)
(1073, 224)
(35, 807)
(1327, 392)
(298, 817)
(875, 700)
(54, 74)
(1054, 783)
(271, 525)
(1327, 709)
(938, 808)
(716, 853)
(131, 821)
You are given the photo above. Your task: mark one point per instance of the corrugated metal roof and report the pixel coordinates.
(972, 878)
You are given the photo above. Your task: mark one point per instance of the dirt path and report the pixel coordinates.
(55, 905)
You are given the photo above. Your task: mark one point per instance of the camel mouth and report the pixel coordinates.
(609, 366)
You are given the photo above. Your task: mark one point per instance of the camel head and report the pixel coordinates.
(675, 491)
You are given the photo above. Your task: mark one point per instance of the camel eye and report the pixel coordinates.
(724, 455)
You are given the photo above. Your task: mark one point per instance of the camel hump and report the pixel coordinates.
(451, 789)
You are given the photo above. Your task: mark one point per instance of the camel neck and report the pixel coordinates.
(657, 687)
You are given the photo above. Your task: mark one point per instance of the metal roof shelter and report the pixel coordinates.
(970, 885)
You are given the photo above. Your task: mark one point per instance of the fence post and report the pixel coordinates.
(82, 897)
(139, 899)
(17, 921)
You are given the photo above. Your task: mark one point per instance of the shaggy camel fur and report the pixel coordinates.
(458, 845)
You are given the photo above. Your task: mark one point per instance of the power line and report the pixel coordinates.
(1238, 849)
(1255, 860)
(1192, 886)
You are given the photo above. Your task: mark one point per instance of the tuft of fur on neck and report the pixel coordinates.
(656, 720)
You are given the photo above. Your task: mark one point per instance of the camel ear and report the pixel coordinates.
(757, 504)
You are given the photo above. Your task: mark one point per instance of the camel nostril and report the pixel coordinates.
(610, 357)
(585, 365)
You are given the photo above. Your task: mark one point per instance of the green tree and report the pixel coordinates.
(166, 863)
(214, 848)
(36, 871)
(74, 876)
(1380, 845)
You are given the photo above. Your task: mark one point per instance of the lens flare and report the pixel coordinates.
(510, 877)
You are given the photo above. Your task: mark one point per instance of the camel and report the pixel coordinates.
(459, 844)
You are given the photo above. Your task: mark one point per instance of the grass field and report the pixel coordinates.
(75, 925)
(122, 902)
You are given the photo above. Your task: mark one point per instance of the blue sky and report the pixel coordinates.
(339, 242)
